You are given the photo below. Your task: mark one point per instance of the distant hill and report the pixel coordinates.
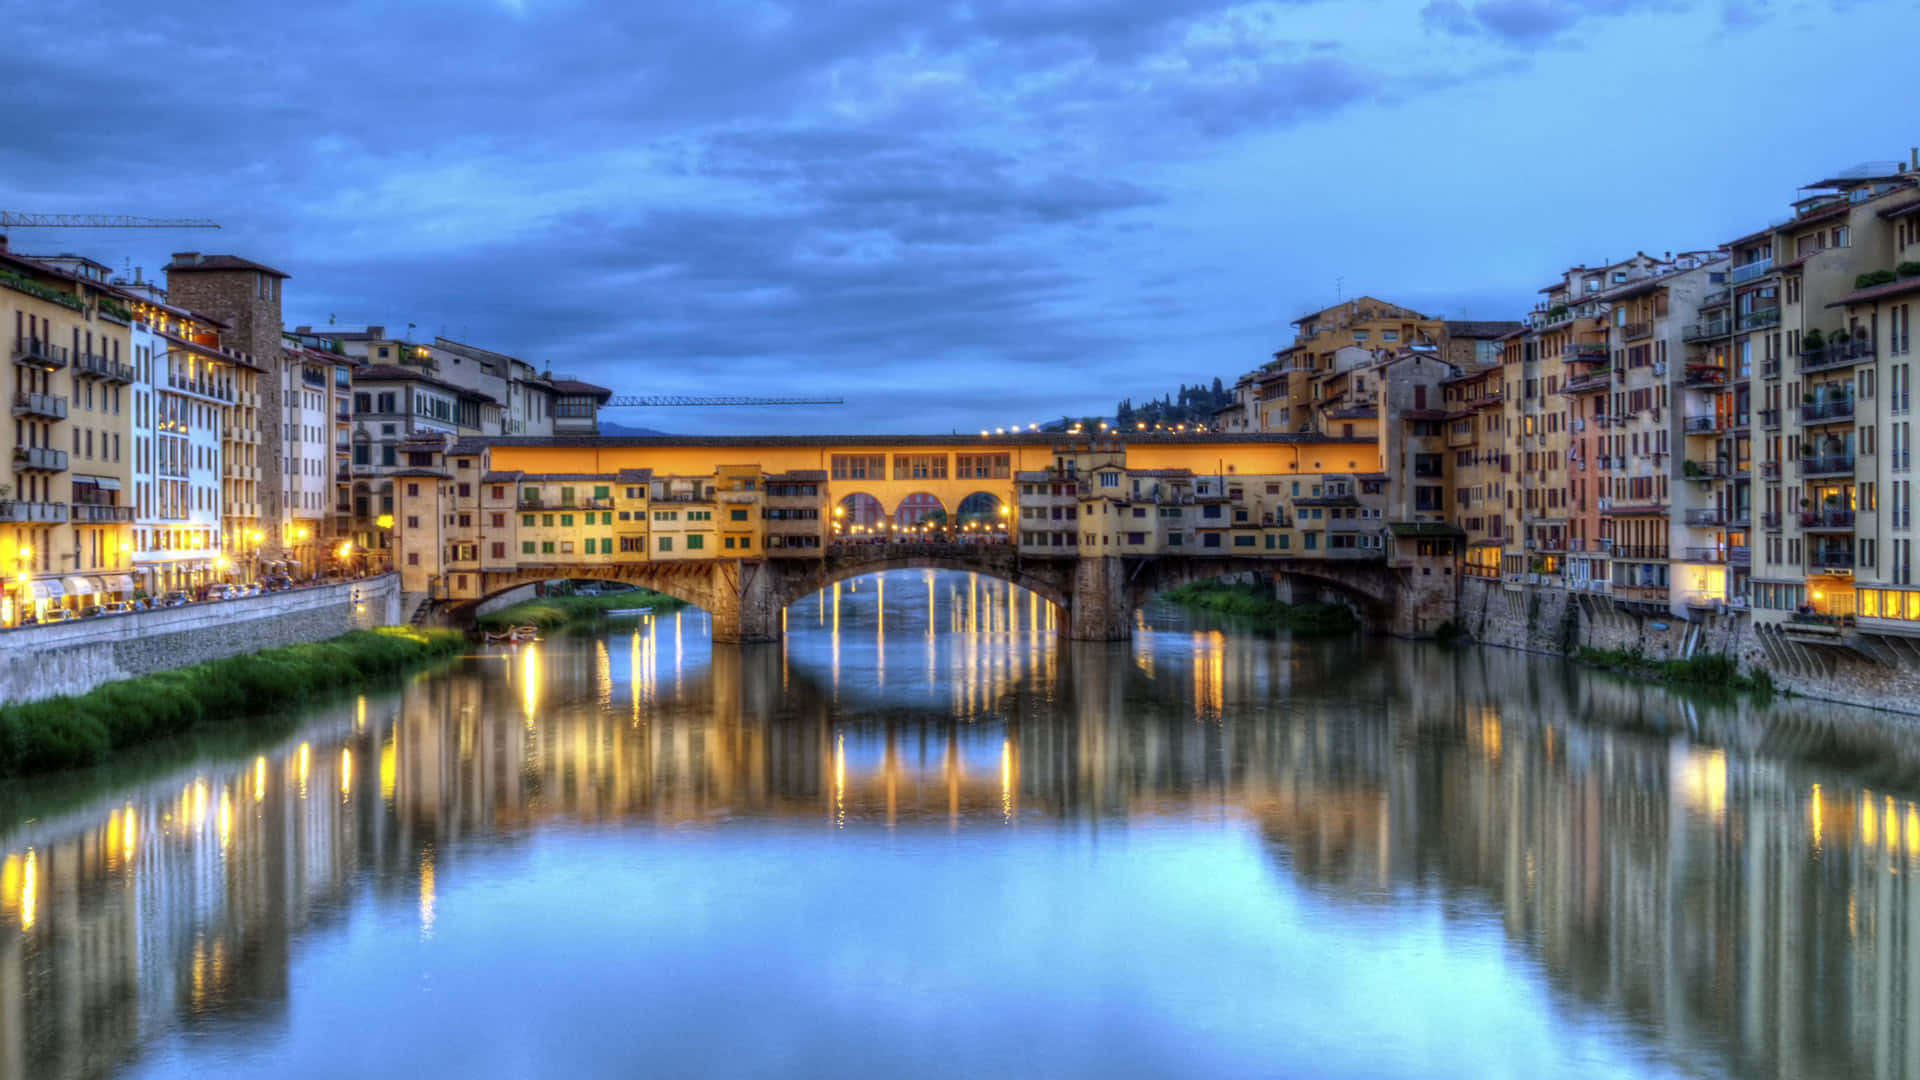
(627, 431)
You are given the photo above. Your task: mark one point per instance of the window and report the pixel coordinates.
(546, 547)
(666, 543)
(413, 521)
(696, 542)
(737, 515)
(983, 467)
(566, 521)
(729, 543)
(860, 466)
(1211, 540)
(499, 550)
(1109, 479)
(526, 520)
(919, 466)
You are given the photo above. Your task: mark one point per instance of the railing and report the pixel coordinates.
(1644, 552)
(1584, 350)
(1827, 411)
(1640, 594)
(1770, 470)
(1636, 331)
(51, 406)
(1769, 418)
(1740, 555)
(98, 366)
(40, 353)
(1836, 356)
(39, 458)
(1827, 465)
(1705, 470)
(1707, 554)
(1760, 320)
(1712, 515)
(1704, 425)
(97, 513)
(1704, 377)
(1830, 560)
(1758, 268)
(1705, 331)
(178, 472)
(22, 510)
(1595, 380)
(212, 388)
(315, 379)
(1770, 520)
(1715, 298)
(1770, 369)
(1826, 518)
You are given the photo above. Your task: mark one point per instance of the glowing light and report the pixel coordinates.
(26, 551)
(1813, 812)
(530, 681)
(385, 521)
(220, 562)
(259, 778)
(302, 764)
(426, 893)
(839, 781)
(29, 890)
(1704, 781)
(129, 834)
(224, 819)
(345, 550)
(346, 771)
(300, 534)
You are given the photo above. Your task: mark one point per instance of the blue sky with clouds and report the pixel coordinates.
(953, 214)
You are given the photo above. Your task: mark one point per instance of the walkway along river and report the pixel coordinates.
(924, 836)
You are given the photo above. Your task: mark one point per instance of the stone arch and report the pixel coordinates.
(858, 512)
(1369, 586)
(688, 582)
(983, 507)
(1051, 582)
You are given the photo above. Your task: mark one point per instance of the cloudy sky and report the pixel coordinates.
(953, 214)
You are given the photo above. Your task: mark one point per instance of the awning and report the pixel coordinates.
(120, 583)
(104, 483)
(79, 586)
(47, 589)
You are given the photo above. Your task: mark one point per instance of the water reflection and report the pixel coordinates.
(1722, 888)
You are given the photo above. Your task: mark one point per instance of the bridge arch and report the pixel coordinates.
(680, 581)
(1050, 582)
(1370, 587)
(919, 508)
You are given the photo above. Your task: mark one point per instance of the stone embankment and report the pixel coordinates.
(72, 658)
(1561, 622)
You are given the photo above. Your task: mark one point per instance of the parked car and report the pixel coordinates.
(91, 611)
(117, 607)
(174, 599)
(60, 615)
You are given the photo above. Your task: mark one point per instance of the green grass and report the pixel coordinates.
(73, 732)
(1716, 671)
(554, 612)
(1257, 604)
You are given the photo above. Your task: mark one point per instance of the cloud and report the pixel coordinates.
(1521, 23)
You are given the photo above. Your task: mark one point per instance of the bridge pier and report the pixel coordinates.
(1101, 607)
(747, 598)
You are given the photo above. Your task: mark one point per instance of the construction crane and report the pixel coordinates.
(10, 219)
(657, 400)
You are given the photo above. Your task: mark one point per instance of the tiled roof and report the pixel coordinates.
(586, 389)
(1481, 328)
(190, 262)
(1891, 288)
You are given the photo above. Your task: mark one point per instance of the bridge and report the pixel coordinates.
(1095, 596)
(744, 526)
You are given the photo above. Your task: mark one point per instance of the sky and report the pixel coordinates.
(953, 215)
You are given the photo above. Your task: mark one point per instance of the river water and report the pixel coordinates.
(924, 837)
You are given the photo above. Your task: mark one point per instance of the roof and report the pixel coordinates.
(396, 373)
(192, 262)
(1481, 328)
(800, 476)
(1891, 288)
(634, 476)
(474, 444)
(583, 389)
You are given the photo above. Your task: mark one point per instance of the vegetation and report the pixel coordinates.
(1874, 277)
(114, 308)
(1257, 603)
(22, 283)
(1708, 670)
(1194, 404)
(71, 732)
(555, 612)
(1813, 342)
(1908, 269)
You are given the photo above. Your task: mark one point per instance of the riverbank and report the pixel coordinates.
(1257, 605)
(555, 612)
(1710, 671)
(75, 732)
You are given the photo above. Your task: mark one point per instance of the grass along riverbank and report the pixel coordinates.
(73, 732)
(554, 612)
(1256, 604)
(1715, 671)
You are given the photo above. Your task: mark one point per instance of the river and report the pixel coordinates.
(924, 837)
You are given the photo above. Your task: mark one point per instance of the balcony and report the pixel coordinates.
(1641, 594)
(1770, 369)
(43, 406)
(1716, 298)
(171, 469)
(1827, 412)
(96, 366)
(19, 510)
(1584, 350)
(39, 459)
(1707, 331)
(1827, 519)
(101, 514)
(205, 387)
(1830, 559)
(1827, 465)
(1770, 520)
(1704, 377)
(1752, 271)
(1641, 552)
(1770, 419)
(1840, 355)
(1705, 425)
(1760, 320)
(1703, 469)
(1710, 516)
(34, 352)
(1594, 380)
(1636, 331)
(1720, 553)
(313, 378)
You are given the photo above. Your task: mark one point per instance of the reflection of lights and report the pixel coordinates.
(1813, 812)
(301, 765)
(199, 803)
(1869, 820)
(1703, 779)
(129, 834)
(840, 780)
(1006, 780)
(29, 890)
(426, 893)
(530, 680)
(389, 771)
(259, 778)
(224, 820)
(346, 770)
(360, 713)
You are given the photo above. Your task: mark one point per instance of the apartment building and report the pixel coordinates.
(1479, 469)
(65, 522)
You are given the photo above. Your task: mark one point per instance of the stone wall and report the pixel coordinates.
(71, 658)
(1559, 622)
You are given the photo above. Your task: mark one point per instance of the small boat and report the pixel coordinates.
(514, 635)
(621, 613)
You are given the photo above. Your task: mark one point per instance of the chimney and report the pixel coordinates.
(136, 274)
(1913, 158)
(186, 258)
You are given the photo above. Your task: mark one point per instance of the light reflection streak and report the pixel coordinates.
(427, 898)
(259, 778)
(301, 765)
(346, 771)
(530, 681)
(224, 821)
(840, 780)
(29, 890)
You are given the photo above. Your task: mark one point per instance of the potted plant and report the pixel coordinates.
(1812, 342)
(1833, 498)
(1840, 336)
(1806, 504)
(1806, 398)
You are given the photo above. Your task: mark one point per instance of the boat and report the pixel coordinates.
(514, 635)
